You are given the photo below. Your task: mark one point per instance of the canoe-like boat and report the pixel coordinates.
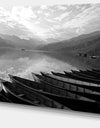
(93, 88)
(74, 104)
(97, 74)
(77, 76)
(3, 97)
(15, 97)
(74, 91)
(46, 87)
(96, 70)
(86, 77)
(86, 93)
(64, 80)
(87, 74)
(35, 95)
(41, 85)
(77, 105)
(73, 76)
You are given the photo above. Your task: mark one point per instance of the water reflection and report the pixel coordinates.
(22, 63)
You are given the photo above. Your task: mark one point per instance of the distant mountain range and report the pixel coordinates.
(87, 43)
(16, 42)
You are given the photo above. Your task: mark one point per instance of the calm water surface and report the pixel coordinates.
(22, 63)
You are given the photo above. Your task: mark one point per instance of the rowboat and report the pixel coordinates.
(15, 97)
(69, 87)
(41, 85)
(3, 97)
(68, 80)
(71, 75)
(73, 91)
(77, 105)
(73, 104)
(77, 76)
(94, 73)
(66, 84)
(93, 88)
(96, 70)
(35, 95)
(46, 87)
(90, 73)
(87, 74)
(87, 77)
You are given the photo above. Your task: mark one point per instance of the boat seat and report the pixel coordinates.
(21, 95)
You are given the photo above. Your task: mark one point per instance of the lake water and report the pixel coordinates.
(22, 63)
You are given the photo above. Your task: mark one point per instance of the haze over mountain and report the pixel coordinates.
(34, 26)
(87, 43)
(16, 42)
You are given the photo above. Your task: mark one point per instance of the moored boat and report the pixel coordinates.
(74, 104)
(15, 97)
(87, 74)
(79, 77)
(34, 94)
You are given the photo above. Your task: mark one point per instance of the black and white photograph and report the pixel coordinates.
(50, 56)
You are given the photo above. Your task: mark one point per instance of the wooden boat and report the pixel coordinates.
(91, 79)
(78, 86)
(74, 89)
(96, 70)
(78, 105)
(91, 73)
(3, 97)
(74, 104)
(14, 96)
(94, 73)
(81, 78)
(41, 85)
(46, 87)
(72, 75)
(70, 79)
(87, 74)
(85, 93)
(35, 95)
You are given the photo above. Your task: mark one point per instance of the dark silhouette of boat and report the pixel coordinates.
(66, 84)
(3, 97)
(41, 85)
(74, 104)
(68, 80)
(93, 87)
(80, 77)
(70, 88)
(15, 97)
(23, 49)
(87, 75)
(35, 95)
(90, 74)
(96, 70)
(93, 72)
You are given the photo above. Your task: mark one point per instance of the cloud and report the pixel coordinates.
(62, 7)
(22, 13)
(43, 7)
(83, 19)
(62, 16)
(50, 21)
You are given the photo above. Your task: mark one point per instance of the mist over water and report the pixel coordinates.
(22, 63)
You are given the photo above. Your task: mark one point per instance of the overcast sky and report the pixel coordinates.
(54, 21)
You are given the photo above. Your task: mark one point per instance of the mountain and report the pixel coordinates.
(88, 43)
(3, 43)
(22, 43)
